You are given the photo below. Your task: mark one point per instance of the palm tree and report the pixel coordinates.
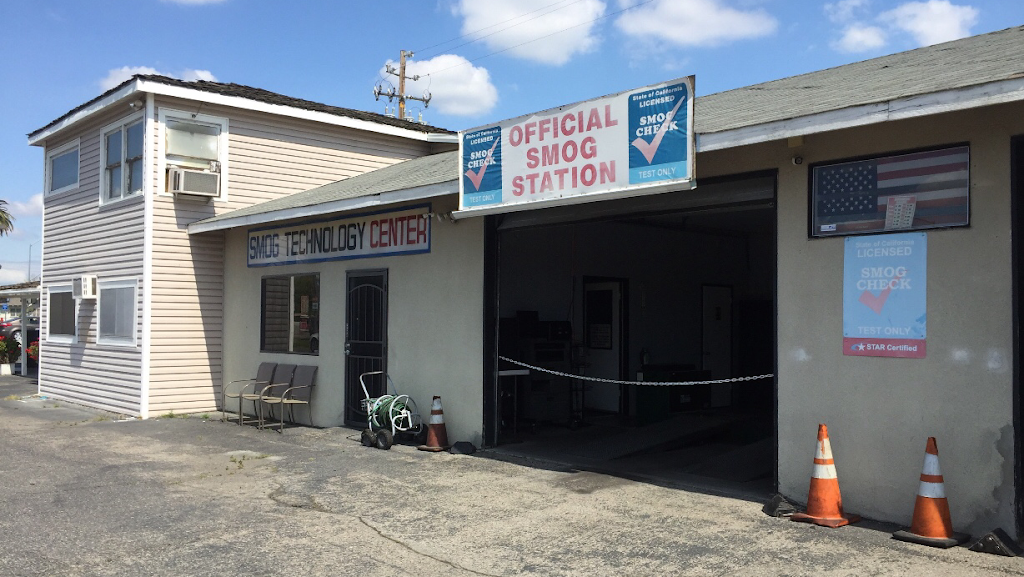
(6, 220)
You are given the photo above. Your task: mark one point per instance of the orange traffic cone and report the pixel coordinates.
(931, 524)
(437, 435)
(824, 503)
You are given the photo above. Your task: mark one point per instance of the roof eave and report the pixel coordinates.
(988, 94)
(341, 205)
(39, 137)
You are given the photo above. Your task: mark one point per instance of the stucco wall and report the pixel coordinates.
(881, 410)
(435, 324)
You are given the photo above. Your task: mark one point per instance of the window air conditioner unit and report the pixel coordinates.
(193, 182)
(84, 287)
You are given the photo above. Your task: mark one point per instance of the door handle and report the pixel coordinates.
(348, 349)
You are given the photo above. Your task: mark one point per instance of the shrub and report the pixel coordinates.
(33, 351)
(9, 350)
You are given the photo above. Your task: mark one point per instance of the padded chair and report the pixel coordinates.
(299, 393)
(264, 374)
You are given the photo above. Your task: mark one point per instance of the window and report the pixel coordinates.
(193, 141)
(191, 144)
(291, 314)
(117, 310)
(62, 315)
(62, 168)
(912, 191)
(121, 154)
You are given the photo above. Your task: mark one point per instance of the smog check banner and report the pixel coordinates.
(634, 142)
(885, 295)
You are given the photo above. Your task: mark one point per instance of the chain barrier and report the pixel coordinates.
(647, 383)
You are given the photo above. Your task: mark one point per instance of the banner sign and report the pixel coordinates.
(884, 295)
(615, 146)
(400, 231)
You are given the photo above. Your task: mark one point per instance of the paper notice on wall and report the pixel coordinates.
(899, 212)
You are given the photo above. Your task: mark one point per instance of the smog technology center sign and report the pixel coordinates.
(631, 143)
(884, 295)
(399, 231)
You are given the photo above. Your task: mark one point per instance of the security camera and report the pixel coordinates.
(798, 160)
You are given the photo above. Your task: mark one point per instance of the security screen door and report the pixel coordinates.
(366, 337)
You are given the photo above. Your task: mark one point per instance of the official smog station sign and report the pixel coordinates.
(396, 232)
(884, 295)
(631, 143)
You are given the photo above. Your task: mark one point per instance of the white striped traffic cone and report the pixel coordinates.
(437, 434)
(931, 524)
(824, 502)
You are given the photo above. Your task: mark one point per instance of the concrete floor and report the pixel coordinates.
(87, 494)
(720, 451)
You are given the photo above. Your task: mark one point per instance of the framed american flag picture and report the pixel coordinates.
(912, 191)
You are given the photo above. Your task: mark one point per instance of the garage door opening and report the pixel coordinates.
(599, 303)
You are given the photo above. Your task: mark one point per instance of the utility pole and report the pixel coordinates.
(400, 73)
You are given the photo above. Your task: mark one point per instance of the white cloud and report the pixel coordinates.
(555, 33)
(844, 10)
(116, 76)
(191, 74)
(694, 22)
(933, 21)
(14, 274)
(458, 88)
(860, 38)
(32, 207)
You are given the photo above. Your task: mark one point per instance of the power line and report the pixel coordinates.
(477, 39)
(497, 24)
(602, 17)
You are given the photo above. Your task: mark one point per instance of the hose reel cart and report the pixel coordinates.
(388, 415)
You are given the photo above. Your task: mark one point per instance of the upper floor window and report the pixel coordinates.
(192, 144)
(62, 168)
(121, 156)
(197, 143)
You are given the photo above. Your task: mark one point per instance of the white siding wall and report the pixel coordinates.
(269, 157)
(81, 237)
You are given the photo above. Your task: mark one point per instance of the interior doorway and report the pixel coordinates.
(606, 335)
(366, 338)
(716, 339)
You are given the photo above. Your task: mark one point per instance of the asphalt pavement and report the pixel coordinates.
(89, 493)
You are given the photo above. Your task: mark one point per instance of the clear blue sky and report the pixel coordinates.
(520, 55)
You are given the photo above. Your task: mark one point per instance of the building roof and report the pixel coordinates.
(23, 289)
(429, 175)
(876, 90)
(254, 94)
(963, 63)
(20, 285)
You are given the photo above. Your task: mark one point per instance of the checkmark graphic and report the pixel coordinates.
(877, 303)
(477, 177)
(650, 149)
